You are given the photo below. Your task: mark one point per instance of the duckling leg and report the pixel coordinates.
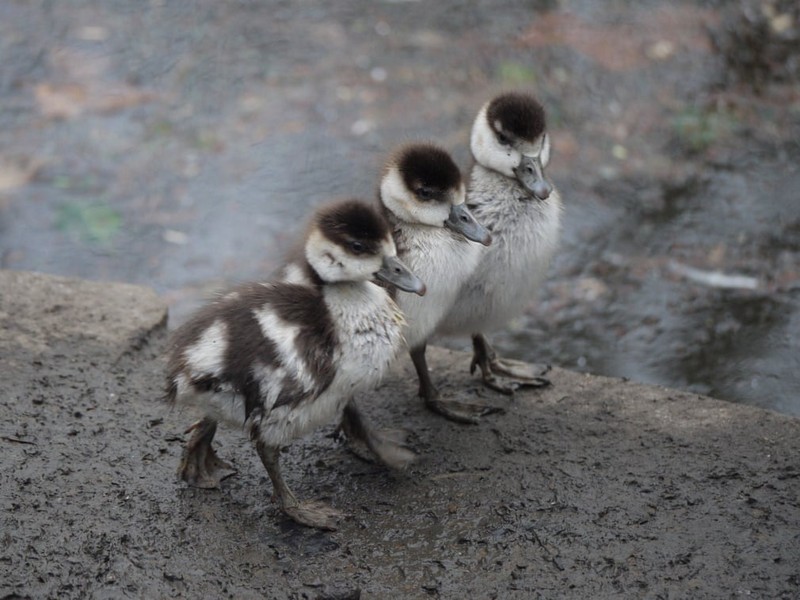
(454, 410)
(388, 444)
(311, 514)
(520, 374)
(200, 466)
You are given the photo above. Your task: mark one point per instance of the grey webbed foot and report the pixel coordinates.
(468, 413)
(311, 514)
(387, 445)
(516, 373)
(200, 466)
(454, 410)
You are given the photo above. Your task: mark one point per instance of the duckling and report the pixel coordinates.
(423, 197)
(421, 194)
(510, 194)
(281, 358)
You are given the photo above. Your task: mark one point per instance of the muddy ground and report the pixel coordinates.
(592, 488)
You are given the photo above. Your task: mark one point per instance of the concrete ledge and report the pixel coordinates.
(591, 488)
(42, 314)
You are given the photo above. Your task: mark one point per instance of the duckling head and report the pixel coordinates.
(509, 136)
(421, 185)
(349, 241)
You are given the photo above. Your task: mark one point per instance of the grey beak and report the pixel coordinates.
(530, 174)
(393, 271)
(462, 221)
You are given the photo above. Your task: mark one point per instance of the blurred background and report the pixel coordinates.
(180, 144)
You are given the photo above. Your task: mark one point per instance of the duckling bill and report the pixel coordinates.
(422, 196)
(283, 357)
(510, 194)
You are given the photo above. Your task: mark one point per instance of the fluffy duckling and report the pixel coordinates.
(422, 197)
(509, 194)
(281, 358)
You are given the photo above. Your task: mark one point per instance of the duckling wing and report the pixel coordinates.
(270, 344)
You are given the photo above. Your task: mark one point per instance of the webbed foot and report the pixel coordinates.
(387, 445)
(515, 373)
(468, 413)
(313, 514)
(200, 466)
(453, 410)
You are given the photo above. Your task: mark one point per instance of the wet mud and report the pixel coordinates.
(593, 487)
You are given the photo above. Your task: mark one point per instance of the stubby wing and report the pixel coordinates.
(268, 344)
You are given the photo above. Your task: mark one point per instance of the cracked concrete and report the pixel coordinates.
(594, 487)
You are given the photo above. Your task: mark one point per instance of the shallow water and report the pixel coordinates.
(630, 310)
(181, 147)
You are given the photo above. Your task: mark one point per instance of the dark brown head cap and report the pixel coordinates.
(517, 114)
(428, 167)
(352, 220)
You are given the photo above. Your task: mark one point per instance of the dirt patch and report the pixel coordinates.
(592, 487)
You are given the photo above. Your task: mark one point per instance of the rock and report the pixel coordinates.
(42, 315)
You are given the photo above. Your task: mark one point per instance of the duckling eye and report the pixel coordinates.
(357, 247)
(424, 193)
(503, 139)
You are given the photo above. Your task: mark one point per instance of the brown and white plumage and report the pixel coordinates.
(281, 358)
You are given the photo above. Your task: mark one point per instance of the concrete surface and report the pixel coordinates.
(592, 488)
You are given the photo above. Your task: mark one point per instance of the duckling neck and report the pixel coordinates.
(493, 191)
(352, 301)
(369, 326)
(486, 176)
